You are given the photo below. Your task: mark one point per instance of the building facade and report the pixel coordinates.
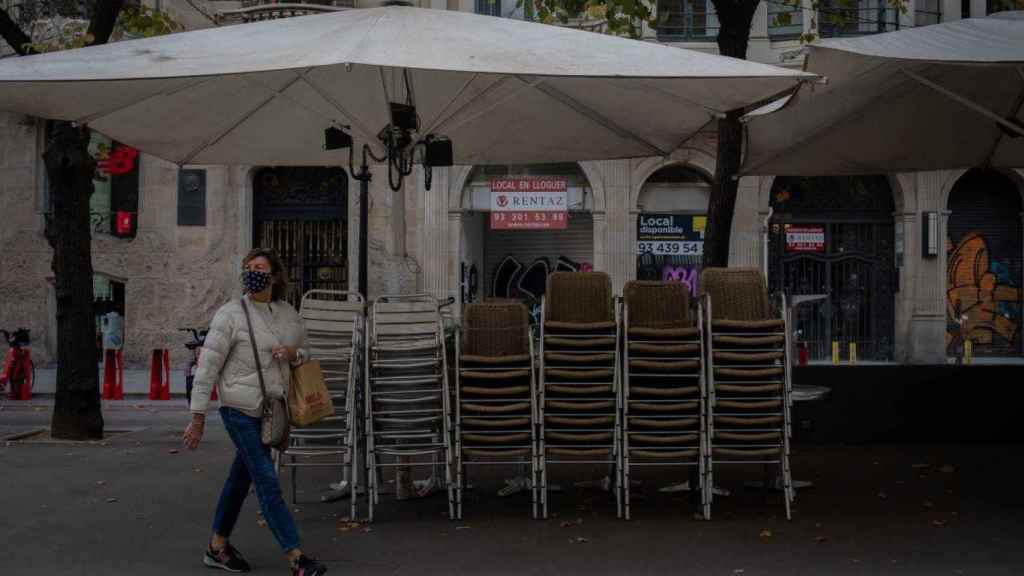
(908, 265)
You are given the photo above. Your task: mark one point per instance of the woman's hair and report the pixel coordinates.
(278, 274)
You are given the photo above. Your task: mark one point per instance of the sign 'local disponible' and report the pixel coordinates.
(805, 238)
(671, 234)
(529, 204)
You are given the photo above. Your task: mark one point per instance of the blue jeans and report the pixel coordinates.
(252, 465)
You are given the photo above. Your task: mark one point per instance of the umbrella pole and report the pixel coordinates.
(364, 178)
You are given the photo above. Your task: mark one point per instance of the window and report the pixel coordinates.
(838, 18)
(927, 12)
(681, 20)
(993, 6)
(114, 205)
(192, 198)
(785, 19)
(488, 7)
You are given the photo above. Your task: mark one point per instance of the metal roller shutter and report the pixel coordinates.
(985, 263)
(576, 242)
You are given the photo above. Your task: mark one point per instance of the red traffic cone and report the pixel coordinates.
(119, 382)
(26, 385)
(155, 373)
(109, 374)
(165, 389)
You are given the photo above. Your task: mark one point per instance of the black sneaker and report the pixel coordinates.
(306, 566)
(227, 558)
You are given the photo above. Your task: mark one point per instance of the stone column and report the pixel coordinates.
(433, 236)
(906, 269)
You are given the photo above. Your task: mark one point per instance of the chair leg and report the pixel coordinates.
(295, 491)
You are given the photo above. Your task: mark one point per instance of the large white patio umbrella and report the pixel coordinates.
(937, 97)
(503, 91)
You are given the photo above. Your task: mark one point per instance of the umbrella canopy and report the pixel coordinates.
(931, 98)
(504, 91)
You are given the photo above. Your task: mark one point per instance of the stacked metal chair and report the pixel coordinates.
(748, 378)
(408, 416)
(579, 398)
(663, 381)
(335, 326)
(496, 392)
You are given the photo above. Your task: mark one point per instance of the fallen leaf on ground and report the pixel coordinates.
(261, 522)
(111, 500)
(172, 451)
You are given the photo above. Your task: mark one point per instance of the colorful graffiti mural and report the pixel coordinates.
(983, 302)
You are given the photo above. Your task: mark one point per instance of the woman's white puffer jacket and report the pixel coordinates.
(227, 360)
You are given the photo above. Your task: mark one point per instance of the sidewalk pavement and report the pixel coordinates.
(139, 503)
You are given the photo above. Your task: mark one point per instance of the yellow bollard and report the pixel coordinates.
(968, 352)
(835, 352)
(853, 352)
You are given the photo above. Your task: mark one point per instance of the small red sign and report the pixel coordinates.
(805, 238)
(124, 223)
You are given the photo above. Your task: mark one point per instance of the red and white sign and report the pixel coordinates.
(805, 238)
(529, 204)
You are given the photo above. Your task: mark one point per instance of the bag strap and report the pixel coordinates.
(255, 352)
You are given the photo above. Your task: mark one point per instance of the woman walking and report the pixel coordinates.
(228, 363)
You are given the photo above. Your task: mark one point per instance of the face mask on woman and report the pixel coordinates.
(255, 281)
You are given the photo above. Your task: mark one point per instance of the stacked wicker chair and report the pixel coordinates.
(663, 381)
(496, 392)
(407, 395)
(579, 398)
(335, 324)
(748, 377)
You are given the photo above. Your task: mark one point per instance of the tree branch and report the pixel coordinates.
(14, 35)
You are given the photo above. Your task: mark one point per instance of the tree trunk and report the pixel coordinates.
(70, 169)
(77, 413)
(735, 17)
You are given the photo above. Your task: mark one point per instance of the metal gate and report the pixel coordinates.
(850, 261)
(301, 214)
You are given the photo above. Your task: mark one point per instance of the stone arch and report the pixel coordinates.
(695, 158)
(767, 184)
(954, 176)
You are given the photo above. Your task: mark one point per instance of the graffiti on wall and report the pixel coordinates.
(982, 299)
(687, 274)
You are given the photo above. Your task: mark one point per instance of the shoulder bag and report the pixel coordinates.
(274, 420)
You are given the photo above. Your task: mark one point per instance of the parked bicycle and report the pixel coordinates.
(18, 369)
(195, 348)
